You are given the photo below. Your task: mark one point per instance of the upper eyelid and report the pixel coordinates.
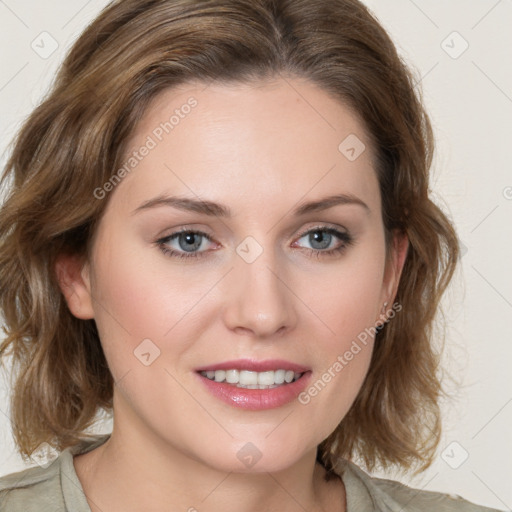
(321, 227)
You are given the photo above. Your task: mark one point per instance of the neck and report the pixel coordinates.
(132, 472)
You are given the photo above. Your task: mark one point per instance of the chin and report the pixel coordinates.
(254, 457)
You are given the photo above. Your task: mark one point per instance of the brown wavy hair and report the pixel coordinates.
(75, 139)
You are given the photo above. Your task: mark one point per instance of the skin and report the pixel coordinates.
(261, 149)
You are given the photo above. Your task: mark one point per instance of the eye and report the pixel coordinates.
(323, 241)
(188, 241)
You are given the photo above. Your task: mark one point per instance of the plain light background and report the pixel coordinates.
(461, 51)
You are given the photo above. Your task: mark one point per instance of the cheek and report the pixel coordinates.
(331, 393)
(140, 295)
(345, 357)
(139, 307)
(347, 303)
(347, 296)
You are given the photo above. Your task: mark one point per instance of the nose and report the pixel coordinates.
(259, 301)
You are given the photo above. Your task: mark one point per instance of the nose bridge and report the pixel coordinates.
(259, 299)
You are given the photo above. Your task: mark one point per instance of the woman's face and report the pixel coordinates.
(280, 271)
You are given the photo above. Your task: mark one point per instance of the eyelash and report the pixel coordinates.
(345, 237)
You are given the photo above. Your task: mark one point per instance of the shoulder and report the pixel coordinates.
(53, 487)
(32, 489)
(395, 496)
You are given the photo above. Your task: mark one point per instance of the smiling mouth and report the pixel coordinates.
(253, 380)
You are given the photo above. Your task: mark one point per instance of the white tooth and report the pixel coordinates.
(266, 378)
(220, 375)
(288, 376)
(232, 376)
(279, 376)
(246, 377)
(252, 380)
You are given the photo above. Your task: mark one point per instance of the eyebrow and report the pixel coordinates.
(213, 209)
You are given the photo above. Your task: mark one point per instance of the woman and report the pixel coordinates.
(219, 228)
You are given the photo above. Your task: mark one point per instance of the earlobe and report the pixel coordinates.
(73, 278)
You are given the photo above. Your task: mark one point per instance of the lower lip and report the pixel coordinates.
(256, 399)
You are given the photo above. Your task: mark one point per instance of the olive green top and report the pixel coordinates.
(56, 488)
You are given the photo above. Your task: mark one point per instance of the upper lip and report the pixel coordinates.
(255, 366)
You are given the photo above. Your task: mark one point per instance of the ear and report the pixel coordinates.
(394, 266)
(74, 281)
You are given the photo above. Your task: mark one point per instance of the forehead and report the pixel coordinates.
(241, 144)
